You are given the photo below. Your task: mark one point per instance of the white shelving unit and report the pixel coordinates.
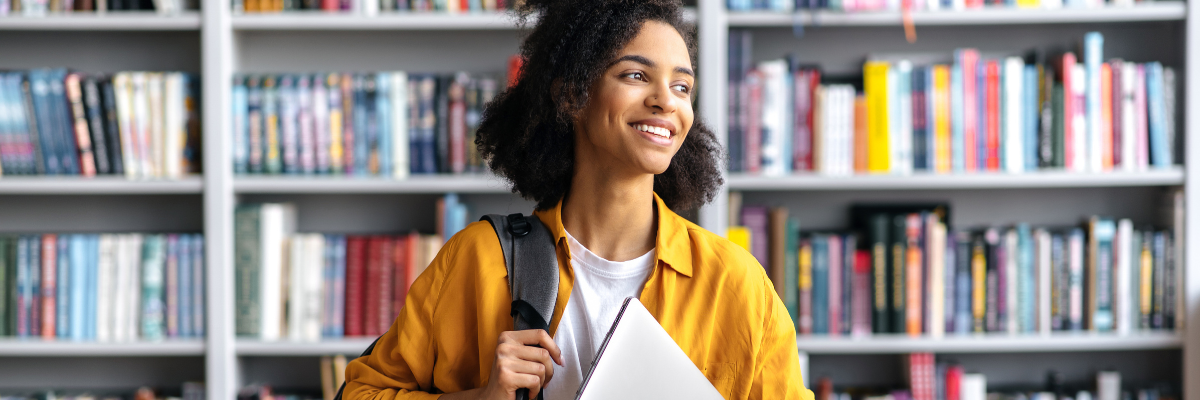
(217, 44)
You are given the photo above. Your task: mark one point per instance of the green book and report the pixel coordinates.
(879, 273)
(247, 265)
(791, 298)
(1056, 141)
(153, 280)
(899, 247)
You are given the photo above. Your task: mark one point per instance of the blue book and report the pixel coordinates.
(915, 88)
(241, 126)
(90, 287)
(1026, 281)
(339, 286)
(1160, 151)
(66, 260)
(363, 134)
(1103, 232)
(78, 285)
(24, 295)
(383, 114)
(198, 286)
(153, 317)
(1030, 114)
(327, 273)
(428, 125)
(1093, 52)
(288, 135)
(35, 285)
(956, 119)
(39, 87)
(962, 288)
(950, 273)
(820, 284)
(271, 162)
(68, 150)
(184, 284)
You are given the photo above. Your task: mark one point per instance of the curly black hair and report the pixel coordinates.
(527, 134)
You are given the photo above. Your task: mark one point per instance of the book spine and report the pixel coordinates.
(992, 99)
(23, 293)
(198, 279)
(153, 287)
(963, 312)
(899, 108)
(834, 286)
(184, 285)
(875, 85)
(861, 302)
(308, 129)
(880, 244)
(350, 124)
(820, 284)
(355, 282)
(457, 120)
(171, 284)
(1093, 48)
(62, 295)
(48, 291)
(802, 123)
(400, 257)
(941, 119)
(1075, 255)
(913, 275)
(920, 125)
(968, 60)
(897, 270)
(755, 86)
(79, 127)
(1106, 117)
(805, 322)
(62, 122)
(247, 266)
(1160, 153)
(1080, 142)
(95, 121)
(384, 129)
(849, 247)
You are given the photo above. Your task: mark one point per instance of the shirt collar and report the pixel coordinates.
(672, 243)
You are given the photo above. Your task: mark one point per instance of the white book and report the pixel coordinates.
(1129, 129)
(1044, 271)
(141, 125)
(1052, 4)
(313, 287)
(305, 125)
(845, 132)
(277, 222)
(1124, 257)
(320, 118)
(369, 8)
(835, 102)
(133, 297)
(1141, 102)
(1014, 132)
(900, 89)
(1093, 52)
(1012, 281)
(1108, 385)
(294, 275)
(120, 285)
(933, 5)
(155, 104)
(175, 136)
(1168, 94)
(1079, 122)
(121, 90)
(105, 274)
(776, 126)
(973, 387)
(936, 248)
(959, 5)
(399, 102)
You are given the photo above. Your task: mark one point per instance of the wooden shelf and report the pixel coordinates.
(110, 21)
(75, 185)
(349, 346)
(1148, 11)
(36, 347)
(925, 181)
(990, 343)
(350, 184)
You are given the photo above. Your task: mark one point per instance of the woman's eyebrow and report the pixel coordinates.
(646, 61)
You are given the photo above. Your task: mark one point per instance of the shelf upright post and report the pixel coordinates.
(217, 59)
(713, 32)
(1191, 280)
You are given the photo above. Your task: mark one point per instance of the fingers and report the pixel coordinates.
(516, 374)
(534, 337)
(538, 355)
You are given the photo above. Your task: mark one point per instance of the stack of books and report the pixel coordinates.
(133, 124)
(310, 286)
(102, 287)
(189, 391)
(965, 113)
(34, 8)
(918, 5)
(388, 124)
(901, 269)
(372, 7)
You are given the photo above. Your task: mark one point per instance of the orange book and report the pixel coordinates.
(860, 134)
(914, 276)
(1106, 117)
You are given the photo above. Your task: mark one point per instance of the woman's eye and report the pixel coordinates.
(682, 88)
(636, 75)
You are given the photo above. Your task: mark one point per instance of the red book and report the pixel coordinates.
(920, 375)
(1065, 66)
(329, 5)
(753, 120)
(400, 272)
(968, 60)
(355, 276)
(860, 299)
(375, 297)
(954, 382)
(805, 83)
(458, 125)
(386, 283)
(49, 289)
(835, 285)
(993, 115)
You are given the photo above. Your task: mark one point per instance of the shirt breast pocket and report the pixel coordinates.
(722, 375)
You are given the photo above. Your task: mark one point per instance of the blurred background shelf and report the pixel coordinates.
(431, 21)
(989, 343)
(348, 346)
(34, 347)
(110, 21)
(1147, 11)
(1047, 179)
(97, 185)
(345, 184)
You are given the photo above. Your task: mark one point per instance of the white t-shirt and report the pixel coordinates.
(600, 288)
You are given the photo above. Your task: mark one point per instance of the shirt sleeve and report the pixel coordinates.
(777, 375)
(401, 365)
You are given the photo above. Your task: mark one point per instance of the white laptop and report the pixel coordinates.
(639, 360)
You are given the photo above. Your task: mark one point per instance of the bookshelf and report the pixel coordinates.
(216, 44)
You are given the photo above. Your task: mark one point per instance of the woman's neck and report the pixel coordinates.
(611, 215)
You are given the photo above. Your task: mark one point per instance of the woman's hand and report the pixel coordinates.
(521, 365)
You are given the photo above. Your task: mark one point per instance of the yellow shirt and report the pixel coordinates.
(710, 295)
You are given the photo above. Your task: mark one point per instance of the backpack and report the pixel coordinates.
(526, 243)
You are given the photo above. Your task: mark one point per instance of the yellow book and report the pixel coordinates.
(876, 87)
(739, 235)
(941, 118)
(334, 86)
(1146, 290)
(1029, 3)
(978, 285)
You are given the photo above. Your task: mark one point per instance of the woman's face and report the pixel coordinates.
(640, 110)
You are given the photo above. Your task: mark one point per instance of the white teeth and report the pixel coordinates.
(653, 129)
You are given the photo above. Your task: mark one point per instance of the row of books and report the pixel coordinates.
(365, 124)
(372, 7)
(900, 269)
(102, 287)
(136, 124)
(927, 378)
(325, 285)
(45, 7)
(918, 5)
(943, 114)
(188, 391)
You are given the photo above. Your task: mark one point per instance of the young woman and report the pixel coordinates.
(601, 133)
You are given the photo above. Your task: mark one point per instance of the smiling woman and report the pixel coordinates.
(600, 131)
